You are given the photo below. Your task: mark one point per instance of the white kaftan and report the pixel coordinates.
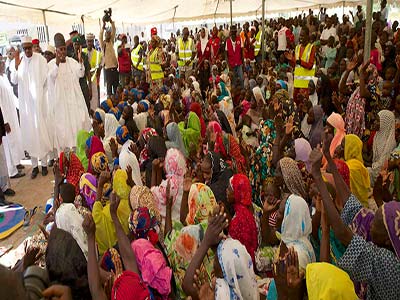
(69, 107)
(31, 78)
(13, 140)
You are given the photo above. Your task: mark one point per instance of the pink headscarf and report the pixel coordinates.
(337, 122)
(246, 106)
(152, 266)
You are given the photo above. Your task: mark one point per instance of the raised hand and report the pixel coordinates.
(289, 126)
(89, 226)
(352, 64)
(326, 143)
(114, 203)
(168, 195)
(294, 276)
(271, 205)
(216, 225)
(316, 160)
(129, 180)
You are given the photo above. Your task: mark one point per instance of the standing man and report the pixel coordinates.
(258, 42)
(384, 12)
(234, 55)
(137, 58)
(5, 189)
(124, 61)
(84, 81)
(10, 67)
(110, 60)
(328, 31)
(31, 75)
(94, 58)
(215, 46)
(186, 53)
(12, 141)
(69, 107)
(304, 62)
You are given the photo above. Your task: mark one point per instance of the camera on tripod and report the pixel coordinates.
(107, 15)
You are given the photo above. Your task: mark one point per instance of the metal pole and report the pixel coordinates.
(45, 25)
(368, 29)
(230, 6)
(263, 33)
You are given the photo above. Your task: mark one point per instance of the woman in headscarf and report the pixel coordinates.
(71, 169)
(182, 242)
(216, 175)
(261, 161)
(243, 225)
(145, 135)
(239, 280)
(196, 108)
(336, 122)
(359, 176)
(315, 118)
(126, 157)
(175, 138)
(384, 143)
(93, 145)
(226, 145)
(99, 163)
(191, 133)
(81, 139)
(88, 189)
(175, 170)
(303, 149)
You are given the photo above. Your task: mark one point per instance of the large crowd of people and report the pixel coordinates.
(209, 172)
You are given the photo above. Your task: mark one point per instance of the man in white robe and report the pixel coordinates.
(5, 189)
(68, 103)
(13, 140)
(31, 76)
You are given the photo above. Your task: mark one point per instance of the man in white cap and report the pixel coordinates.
(31, 76)
(49, 53)
(12, 142)
(68, 103)
(95, 59)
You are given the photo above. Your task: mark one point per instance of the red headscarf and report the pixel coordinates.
(129, 286)
(243, 225)
(196, 108)
(95, 145)
(219, 147)
(73, 169)
(344, 170)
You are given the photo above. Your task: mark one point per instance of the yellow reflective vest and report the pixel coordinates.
(302, 76)
(156, 71)
(185, 51)
(135, 58)
(257, 44)
(94, 62)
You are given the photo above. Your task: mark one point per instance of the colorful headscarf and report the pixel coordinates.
(111, 262)
(121, 188)
(143, 223)
(224, 91)
(292, 177)
(201, 203)
(153, 267)
(239, 280)
(99, 162)
(241, 189)
(391, 218)
(81, 139)
(337, 122)
(129, 286)
(122, 134)
(94, 145)
(175, 138)
(141, 196)
(106, 105)
(219, 147)
(283, 84)
(88, 188)
(343, 169)
(325, 281)
(296, 228)
(191, 133)
(246, 105)
(73, 167)
(196, 108)
(99, 115)
(116, 112)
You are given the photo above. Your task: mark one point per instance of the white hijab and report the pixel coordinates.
(127, 158)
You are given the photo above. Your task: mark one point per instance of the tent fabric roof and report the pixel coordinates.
(143, 11)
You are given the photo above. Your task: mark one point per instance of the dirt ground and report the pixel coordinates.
(29, 193)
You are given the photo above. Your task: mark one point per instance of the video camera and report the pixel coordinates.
(107, 15)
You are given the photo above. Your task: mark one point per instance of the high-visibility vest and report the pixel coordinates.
(156, 71)
(302, 76)
(95, 61)
(135, 58)
(257, 44)
(185, 51)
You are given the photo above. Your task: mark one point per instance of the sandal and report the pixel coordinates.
(28, 216)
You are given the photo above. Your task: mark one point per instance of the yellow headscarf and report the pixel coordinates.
(359, 176)
(327, 282)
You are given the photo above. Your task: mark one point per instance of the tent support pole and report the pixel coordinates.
(45, 26)
(367, 44)
(230, 7)
(263, 33)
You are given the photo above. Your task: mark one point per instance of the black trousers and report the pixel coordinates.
(112, 80)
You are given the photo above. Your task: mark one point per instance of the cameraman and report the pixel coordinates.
(110, 59)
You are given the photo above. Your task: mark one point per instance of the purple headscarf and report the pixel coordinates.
(391, 218)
